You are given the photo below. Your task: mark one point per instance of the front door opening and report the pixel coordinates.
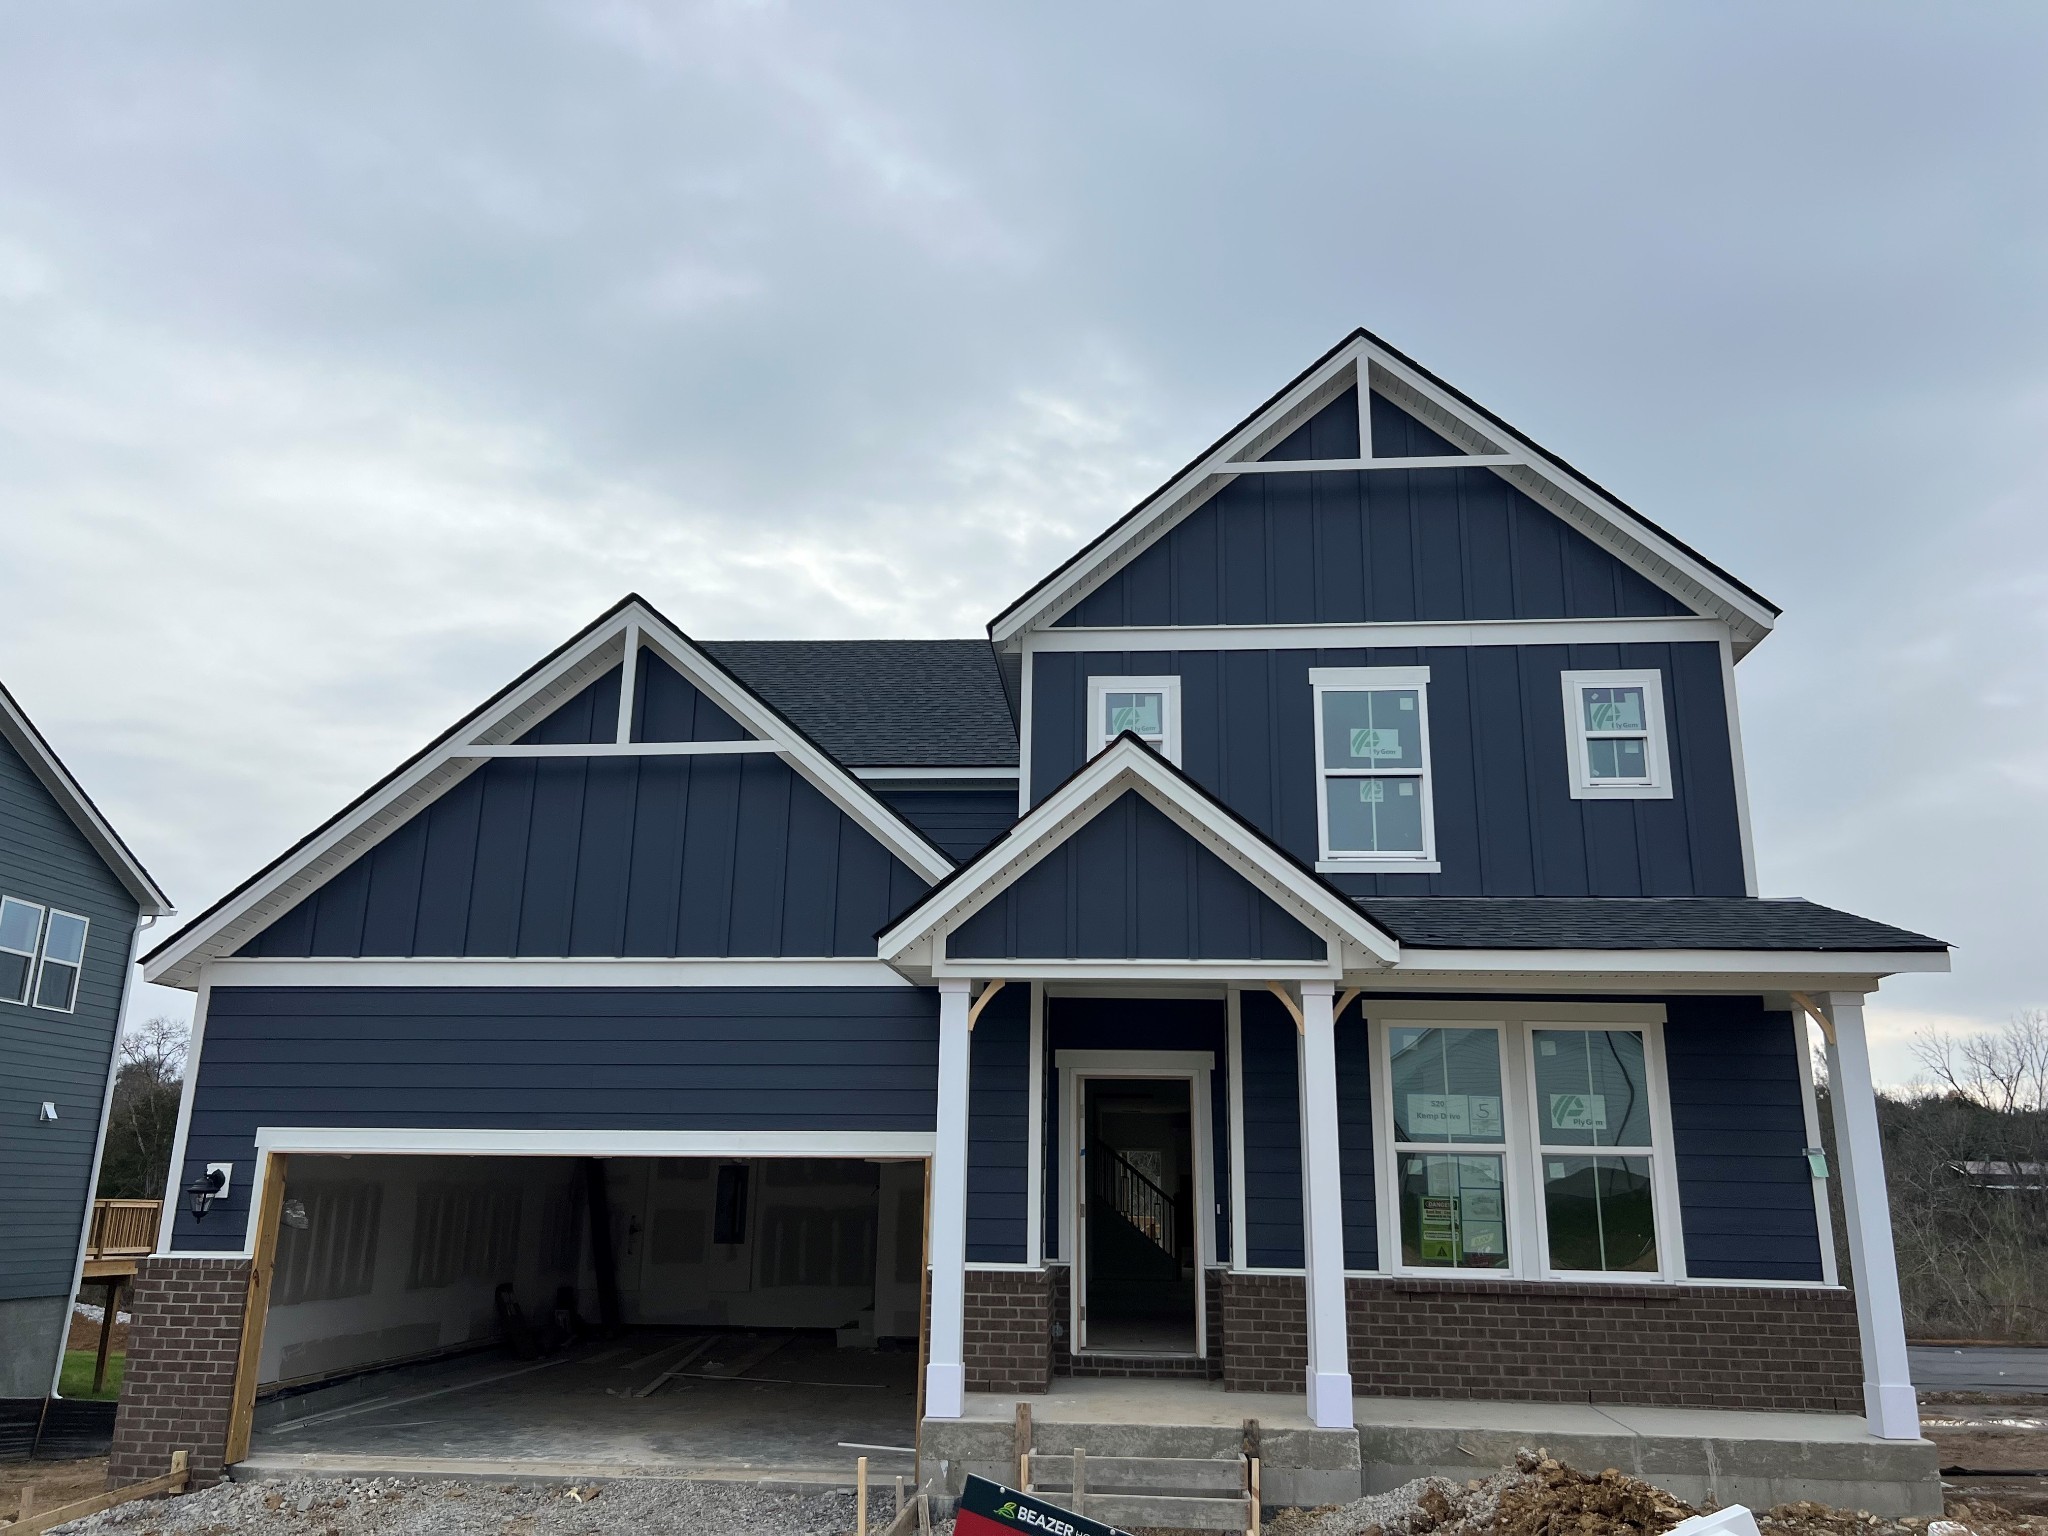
(1138, 1229)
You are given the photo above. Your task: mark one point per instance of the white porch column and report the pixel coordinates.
(945, 1372)
(1322, 1212)
(1888, 1400)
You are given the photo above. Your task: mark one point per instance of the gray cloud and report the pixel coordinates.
(351, 358)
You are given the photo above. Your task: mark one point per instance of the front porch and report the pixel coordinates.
(1753, 1458)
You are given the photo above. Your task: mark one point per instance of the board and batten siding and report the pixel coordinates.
(553, 1058)
(998, 1130)
(1506, 823)
(1132, 884)
(61, 1058)
(1352, 547)
(1739, 1120)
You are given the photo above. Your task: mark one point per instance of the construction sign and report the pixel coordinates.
(990, 1509)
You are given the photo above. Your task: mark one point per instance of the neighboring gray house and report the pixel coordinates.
(71, 900)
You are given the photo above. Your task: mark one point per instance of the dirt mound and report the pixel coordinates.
(1538, 1496)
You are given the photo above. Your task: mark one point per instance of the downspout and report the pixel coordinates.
(99, 1147)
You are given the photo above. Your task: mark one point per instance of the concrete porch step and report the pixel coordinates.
(1050, 1471)
(1157, 1512)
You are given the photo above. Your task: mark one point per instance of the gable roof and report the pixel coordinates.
(913, 942)
(507, 715)
(884, 703)
(1364, 359)
(34, 749)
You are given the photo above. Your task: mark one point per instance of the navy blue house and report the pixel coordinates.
(72, 902)
(1310, 943)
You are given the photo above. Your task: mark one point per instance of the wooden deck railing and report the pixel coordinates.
(123, 1229)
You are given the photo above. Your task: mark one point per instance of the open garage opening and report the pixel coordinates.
(500, 1314)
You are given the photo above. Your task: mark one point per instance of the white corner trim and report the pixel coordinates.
(1727, 648)
(576, 972)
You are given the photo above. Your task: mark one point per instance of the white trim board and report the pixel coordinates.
(590, 972)
(222, 929)
(512, 1142)
(1389, 635)
(1364, 360)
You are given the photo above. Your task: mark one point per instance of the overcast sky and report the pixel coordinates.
(353, 356)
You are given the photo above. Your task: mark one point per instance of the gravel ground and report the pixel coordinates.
(404, 1507)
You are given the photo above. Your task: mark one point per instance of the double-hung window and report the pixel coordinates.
(1373, 809)
(1597, 1149)
(21, 932)
(1614, 727)
(63, 960)
(1450, 1146)
(1147, 707)
(1532, 1145)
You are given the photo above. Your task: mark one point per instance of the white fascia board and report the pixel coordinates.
(826, 776)
(20, 732)
(1507, 454)
(1123, 766)
(1321, 637)
(467, 1142)
(1217, 972)
(307, 866)
(1168, 505)
(536, 972)
(1736, 603)
(455, 754)
(1706, 962)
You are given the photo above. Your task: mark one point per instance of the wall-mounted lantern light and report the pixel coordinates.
(207, 1188)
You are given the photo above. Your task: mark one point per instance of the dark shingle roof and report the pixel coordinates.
(1671, 922)
(884, 703)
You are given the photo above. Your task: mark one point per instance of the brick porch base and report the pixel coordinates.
(179, 1390)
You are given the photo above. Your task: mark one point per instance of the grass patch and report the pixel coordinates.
(77, 1378)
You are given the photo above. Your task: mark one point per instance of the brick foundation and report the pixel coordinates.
(1682, 1346)
(180, 1384)
(1007, 1333)
(1265, 1333)
(1493, 1340)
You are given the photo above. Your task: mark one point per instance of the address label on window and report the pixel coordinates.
(1458, 1116)
(1578, 1111)
(1375, 743)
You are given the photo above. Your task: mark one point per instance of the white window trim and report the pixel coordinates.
(1351, 680)
(1528, 1240)
(30, 954)
(1169, 709)
(43, 959)
(1656, 748)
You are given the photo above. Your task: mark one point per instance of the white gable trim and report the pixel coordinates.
(1364, 361)
(19, 732)
(220, 931)
(916, 942)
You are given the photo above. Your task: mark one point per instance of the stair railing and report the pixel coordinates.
(1134, 1197)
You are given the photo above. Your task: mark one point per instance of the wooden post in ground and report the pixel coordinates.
(255, 1309)
(28, 1504)
(1023, 1446)
(860, 1497)
(99, 1364)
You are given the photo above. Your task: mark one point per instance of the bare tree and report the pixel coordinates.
(2002, 1070)
(143, 1120)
